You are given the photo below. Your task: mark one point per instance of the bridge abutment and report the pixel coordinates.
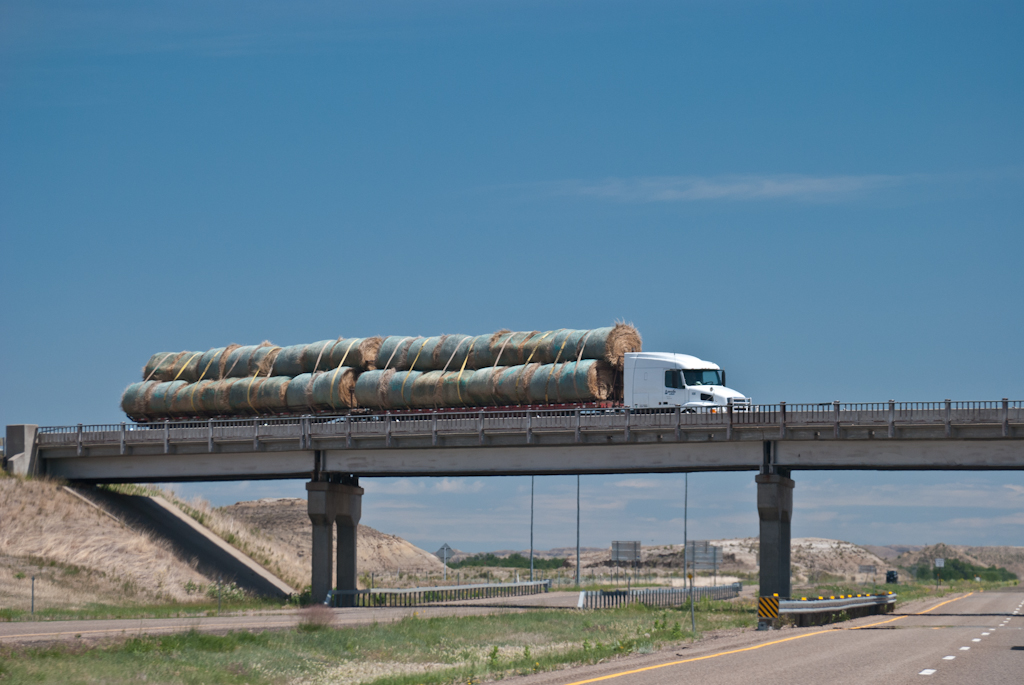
(775, 509)
(330, 504)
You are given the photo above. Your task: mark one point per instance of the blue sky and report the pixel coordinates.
(823, 197)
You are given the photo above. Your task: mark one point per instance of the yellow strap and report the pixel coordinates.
(583, 345)
(192, 397)
(157, 366)
(557, 357)
(440, 379)
(498, 358)
(345, 356)
(458, 381)
(454, 352)
(186, 364)
(320, 356)
(402, 391)
(395, 351)
(528, 359)
(342, 364)
(248, 389)
(333, 379)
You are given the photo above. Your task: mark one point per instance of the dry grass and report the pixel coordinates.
(261, 548)
(68, 542)
(316, 617)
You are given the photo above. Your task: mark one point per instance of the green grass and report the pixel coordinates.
(413, 651)
(163, 610)
(456, 649)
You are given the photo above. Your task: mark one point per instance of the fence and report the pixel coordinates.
(823, 609)
(534, 422)
(386, 597)
(654, 597)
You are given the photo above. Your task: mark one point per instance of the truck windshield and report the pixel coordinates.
(703, 377)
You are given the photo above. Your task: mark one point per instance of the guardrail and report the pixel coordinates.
(654, 597)
(407, 597)
(811, 611)
(389, 429)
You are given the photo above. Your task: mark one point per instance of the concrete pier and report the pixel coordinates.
(775, 509)
(329, 504)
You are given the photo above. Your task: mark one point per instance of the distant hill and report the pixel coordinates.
(285, 521)
(1010, 558)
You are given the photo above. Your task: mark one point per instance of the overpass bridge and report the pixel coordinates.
(333, 452)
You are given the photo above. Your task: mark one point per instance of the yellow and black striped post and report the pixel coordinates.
(767, 612)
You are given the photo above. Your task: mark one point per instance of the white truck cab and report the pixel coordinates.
(664, 379)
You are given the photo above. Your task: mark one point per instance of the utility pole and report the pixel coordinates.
(577, 529)
(686, 549)
(532, 478)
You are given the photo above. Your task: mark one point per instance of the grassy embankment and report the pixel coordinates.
(409, 652)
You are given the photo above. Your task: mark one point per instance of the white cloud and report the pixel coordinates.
(401, 486)
(458, 485)
(744, 187)
(637, 483)
(983, 496)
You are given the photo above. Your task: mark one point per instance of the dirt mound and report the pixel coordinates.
(890, 552)
(285, 521)
(1010, 558)
(78, 553)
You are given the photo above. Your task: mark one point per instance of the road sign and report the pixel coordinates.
(626, 550)
(939, 563)
(767, 607)
(445, 553)
(703, 556)
(868, 569)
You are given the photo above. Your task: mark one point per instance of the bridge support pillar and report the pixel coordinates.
(329, 504)
(775, 509)
(22, 453)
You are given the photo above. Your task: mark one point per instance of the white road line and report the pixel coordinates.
(948, 658)
(977, 639)
(964, 649)
(983, 634)
(927, 671)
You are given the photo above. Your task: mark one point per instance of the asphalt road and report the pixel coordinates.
(43, 632)
(976, 638)
(982, 632)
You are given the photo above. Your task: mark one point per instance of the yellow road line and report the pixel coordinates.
(700, 658)
(955, 599)
(749, 649)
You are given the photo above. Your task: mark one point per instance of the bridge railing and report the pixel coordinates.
(415, 596)
(654, 597)
(540, 421)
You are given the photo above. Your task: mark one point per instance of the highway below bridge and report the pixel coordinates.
(333, 452)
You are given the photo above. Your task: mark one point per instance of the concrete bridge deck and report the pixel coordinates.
(886, 435)
(333, 452)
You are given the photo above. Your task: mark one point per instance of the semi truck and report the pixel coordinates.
(602, 368)
(665, 379)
